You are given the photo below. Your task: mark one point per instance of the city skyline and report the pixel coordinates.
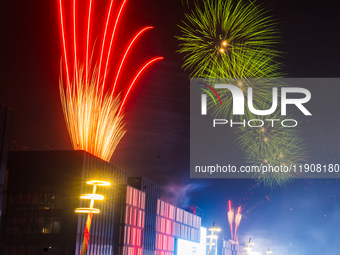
(157, 137)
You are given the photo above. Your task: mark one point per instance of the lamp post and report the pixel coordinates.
(269, 252)
(248, 248)
(90, 210)
(212, 236)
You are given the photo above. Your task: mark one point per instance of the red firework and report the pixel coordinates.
(92, 108)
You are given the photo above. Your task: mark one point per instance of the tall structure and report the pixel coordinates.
(6, 116)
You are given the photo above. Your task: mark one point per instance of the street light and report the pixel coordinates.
(248, 249)
(212, 236)
(90, 210)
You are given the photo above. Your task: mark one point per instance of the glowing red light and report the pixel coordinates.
(88, 43)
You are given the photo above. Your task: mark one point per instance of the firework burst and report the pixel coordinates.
(220, 36)
(231, 40)
(92, 108)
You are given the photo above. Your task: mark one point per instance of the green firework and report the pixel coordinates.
(219, 37)
(272, 144)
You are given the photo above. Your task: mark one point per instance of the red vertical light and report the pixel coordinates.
(110, 47)
(75, 46)
(88, 43)
(103, 43)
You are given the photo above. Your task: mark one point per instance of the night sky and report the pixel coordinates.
(301, 218)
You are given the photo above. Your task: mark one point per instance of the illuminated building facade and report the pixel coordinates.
(131, 223)
(6, 116)
(165, 224)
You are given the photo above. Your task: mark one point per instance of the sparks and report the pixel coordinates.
(93, 110)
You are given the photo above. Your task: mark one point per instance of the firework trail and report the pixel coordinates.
(238, 218)
(92, 108)
(230, 219)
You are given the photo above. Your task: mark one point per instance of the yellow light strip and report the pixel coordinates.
(87, 210)
(98, 183)
(92, 196)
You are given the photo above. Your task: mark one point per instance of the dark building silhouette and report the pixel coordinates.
(6, 116)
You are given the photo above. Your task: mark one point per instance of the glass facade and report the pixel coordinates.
(172, 223)
(132, 222)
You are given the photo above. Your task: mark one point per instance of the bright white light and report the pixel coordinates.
(186, 247)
